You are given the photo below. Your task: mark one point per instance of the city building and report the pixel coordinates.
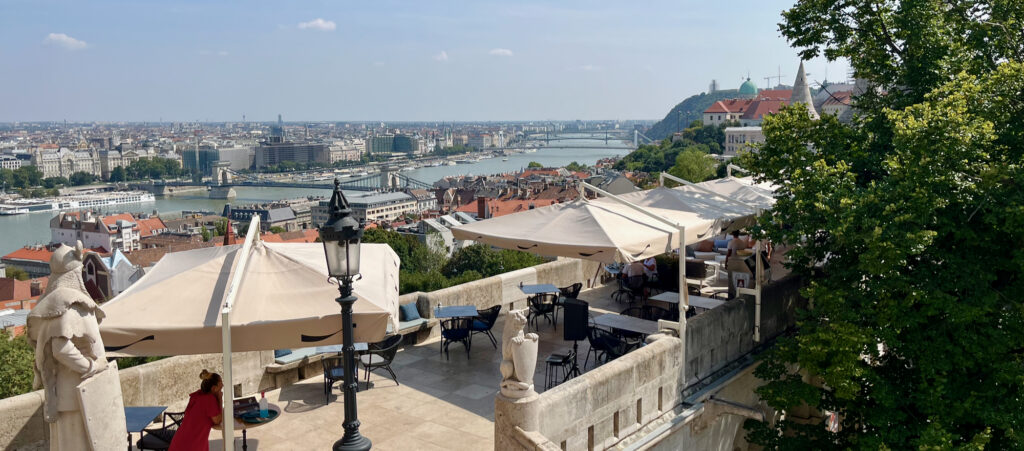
(740, 138)
(372, 207)
(425, 200)
(270, 216)
(239, 157)
(35, 260)
(275, 151)
(106, 277)
(122, 231)
(200, 160)
(110, 159)
(64, 162)
(9, 162)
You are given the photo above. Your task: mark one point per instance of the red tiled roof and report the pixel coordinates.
(111, 221)
(17, 290)
(839, 98)
(540, 172)
(147, 226)
(774, 94)
(759, 108)
(27, 253)
(729, 106)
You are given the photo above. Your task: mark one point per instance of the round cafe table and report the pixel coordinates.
(244, 426)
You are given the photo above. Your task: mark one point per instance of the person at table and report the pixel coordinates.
(733, 259)
(651, 269)
(202, 414)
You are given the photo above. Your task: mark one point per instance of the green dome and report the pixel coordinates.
(748, 88)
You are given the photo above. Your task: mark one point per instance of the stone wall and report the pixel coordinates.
(643, 390)
(159, 383)
(598, 409)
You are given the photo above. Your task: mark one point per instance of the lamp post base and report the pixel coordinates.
(354, 442)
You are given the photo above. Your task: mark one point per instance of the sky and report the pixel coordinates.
(343, 60)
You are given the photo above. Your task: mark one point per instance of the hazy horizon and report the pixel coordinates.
(120, 61)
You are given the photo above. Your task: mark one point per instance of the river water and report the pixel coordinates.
(33, 228)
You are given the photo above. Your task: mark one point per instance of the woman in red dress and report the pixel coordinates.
(203, 412)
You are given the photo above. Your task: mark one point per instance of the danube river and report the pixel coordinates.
(32, 228)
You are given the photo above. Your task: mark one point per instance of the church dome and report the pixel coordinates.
(748, 88)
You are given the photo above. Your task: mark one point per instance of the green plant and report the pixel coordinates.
(277, 229)
(15, 272)
(16, 360)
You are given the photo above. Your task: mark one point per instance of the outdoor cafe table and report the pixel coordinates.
(627, 323)
(696, 301)
(542, 288)
(137, 418)
(456, 311)
(243, 425)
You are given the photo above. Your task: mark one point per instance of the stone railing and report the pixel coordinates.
(605, 405)
(598, 409)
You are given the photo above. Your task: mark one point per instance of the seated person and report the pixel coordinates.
(651, 269)
(202, 414)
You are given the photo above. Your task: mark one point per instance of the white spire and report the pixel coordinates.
(802, 93)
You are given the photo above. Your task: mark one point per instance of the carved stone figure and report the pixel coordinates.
(519, 357)
(69, 355)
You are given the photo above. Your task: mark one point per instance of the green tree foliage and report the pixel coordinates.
(54, 182)
(205, 233)
(81, 178)
(694, 164)
(534, 165)
(118, 175)
(154, 168)
(23, 177)
(457, 149)
(277, 229)
(488, 261)
(688, 111)
(915, 212)
(14, 272)
(658, 158)
(221, 227)
(574, 166)
(290, 166)
(16, 360)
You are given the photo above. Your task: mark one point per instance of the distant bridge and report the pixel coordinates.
(384, 181)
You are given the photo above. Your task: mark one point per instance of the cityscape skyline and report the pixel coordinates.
(182, 62)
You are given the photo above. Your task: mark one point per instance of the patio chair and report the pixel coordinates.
(571, 291)
(632, 337)
(484, 322)
(637, 288)
(623, 290)
(455, 330)
(606, 345)
(159, 439)
(380, 355)
(543, 305)
(334, 371)
(654, 313)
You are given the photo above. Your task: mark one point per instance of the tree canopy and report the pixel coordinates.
(914, 213)
(534, 165)
(16, 360)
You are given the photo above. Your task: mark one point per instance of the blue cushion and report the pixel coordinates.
(479, 325)
(719, 244)
(408, 312)
(295, 355)
(281, 352)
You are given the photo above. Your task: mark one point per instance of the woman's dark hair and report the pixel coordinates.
(210, 380)
(736, 233)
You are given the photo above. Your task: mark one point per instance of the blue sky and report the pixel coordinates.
(380, 60)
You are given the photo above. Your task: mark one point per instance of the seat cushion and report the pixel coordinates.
(371, 359)
(455, 334)
(408, 312)
(156, 439)
(414, 324)
(281, 352)
(295, 356)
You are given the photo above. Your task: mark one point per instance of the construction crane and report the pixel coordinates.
(769, 78)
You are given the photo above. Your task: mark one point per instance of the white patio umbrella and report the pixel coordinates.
(263, 296)
(283, 301)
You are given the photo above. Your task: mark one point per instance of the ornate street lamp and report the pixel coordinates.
(341, 235)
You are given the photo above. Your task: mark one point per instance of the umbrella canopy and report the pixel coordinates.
(587, 230)
(284, 301)
(741, 189)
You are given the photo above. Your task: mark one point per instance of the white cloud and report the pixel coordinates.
(443, 56)
(318, 24)
(63, 40)
(501, 52)
(590, 68)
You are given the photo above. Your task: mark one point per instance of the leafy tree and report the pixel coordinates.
(53, 182)
(694, 164)
(574, 166)
(221, 227)
(205, 233)
(15, 272)
(277, 229)
(487, 261)
(534, 165)
(117, 174)
(16, 360)
(81, 178)
(916, 329)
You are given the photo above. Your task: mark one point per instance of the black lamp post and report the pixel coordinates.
(341, 235)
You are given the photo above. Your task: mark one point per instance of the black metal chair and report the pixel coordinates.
(380, 355)
(543, 305)
(484, 322)
(334, 371)
(159, 439)
(571, 291)
(654, 313)
(455, 330)
(623, 290)
(633, 338)
(606, 345)
(637, 288)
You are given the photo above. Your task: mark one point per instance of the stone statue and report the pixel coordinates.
(69, 356)
(519, 357)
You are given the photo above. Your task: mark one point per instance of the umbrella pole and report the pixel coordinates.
(228, 413)
(684, 298)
